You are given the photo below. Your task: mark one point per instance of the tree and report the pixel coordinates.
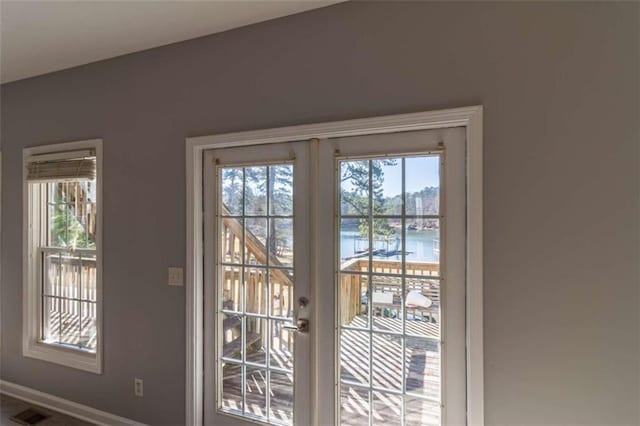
(260, 182)
(232, 189)
(280, 190)
(67, 230)
(355, 183)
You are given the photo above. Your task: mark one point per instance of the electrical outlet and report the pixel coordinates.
(175, 277)
(138, 387)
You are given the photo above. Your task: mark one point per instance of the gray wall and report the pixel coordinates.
(559, 83)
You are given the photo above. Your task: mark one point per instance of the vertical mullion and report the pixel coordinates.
(268, 301)
(61, 298)
(370, 299)
(43, 312)
(49, 203)
(243, 331)
(66, 215)
(80, 300)
(337, 244)
(443, 240)
(44, 329)
(403, 278)
(218, 327)
(85, 208)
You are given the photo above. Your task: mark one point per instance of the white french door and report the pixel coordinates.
(257, 285)
(396, 259)
(363, 240)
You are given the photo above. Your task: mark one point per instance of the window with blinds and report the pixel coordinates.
(63, 196)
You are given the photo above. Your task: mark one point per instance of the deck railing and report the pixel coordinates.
(256, 253)
(387, 278)
(355, 288)
(69, 296)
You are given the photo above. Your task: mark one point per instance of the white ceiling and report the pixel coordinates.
(37, 37)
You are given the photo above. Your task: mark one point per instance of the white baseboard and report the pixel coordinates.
(64, 406)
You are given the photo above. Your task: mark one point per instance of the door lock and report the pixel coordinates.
(301, 326)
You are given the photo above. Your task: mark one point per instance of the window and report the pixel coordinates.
(62, 259)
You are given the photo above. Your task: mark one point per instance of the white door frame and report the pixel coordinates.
(468, 117)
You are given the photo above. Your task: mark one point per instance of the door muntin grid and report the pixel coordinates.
(389, 297)
(255, 286)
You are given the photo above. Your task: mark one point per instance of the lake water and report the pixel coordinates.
(421, 246)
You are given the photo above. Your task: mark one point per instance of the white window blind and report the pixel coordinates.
(70, 165)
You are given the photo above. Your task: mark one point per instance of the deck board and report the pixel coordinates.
(422, 362)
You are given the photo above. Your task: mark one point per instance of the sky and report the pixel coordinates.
(420, 172)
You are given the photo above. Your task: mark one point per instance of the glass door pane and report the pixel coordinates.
(389, 290)
(255, 290)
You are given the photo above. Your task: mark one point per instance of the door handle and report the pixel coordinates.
(301, 326)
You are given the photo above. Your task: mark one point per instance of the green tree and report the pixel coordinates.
(357, 179)
(278, 186)
(280, 190)
(67, 230)
(232, 189)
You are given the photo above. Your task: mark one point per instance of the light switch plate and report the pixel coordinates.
(176, 277)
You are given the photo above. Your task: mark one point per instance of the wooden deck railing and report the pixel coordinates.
(426, 269)
(280, 282)
(387, 278)
(69, 297)
(354, 286)
(256, 254)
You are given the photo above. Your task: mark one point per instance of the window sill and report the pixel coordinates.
(67, 356)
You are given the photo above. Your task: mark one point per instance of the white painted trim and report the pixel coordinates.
(364, 126)
(30, 346)
(64, 406)
(0, 244)
(195, 290)
(475, 337)
(469, 117)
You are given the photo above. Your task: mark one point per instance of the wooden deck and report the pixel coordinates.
(65, 328)
(422, 379)
(281, 396)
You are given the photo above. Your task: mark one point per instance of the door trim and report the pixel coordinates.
(468, 117)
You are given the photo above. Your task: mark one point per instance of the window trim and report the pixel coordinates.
(31, 346)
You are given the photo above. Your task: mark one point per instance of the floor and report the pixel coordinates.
(11, 406)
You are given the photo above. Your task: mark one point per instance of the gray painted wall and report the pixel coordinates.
(559, 83)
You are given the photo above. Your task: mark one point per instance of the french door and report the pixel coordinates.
(335, 281)
(257, 361)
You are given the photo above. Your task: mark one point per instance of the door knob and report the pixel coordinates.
(301, 326)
